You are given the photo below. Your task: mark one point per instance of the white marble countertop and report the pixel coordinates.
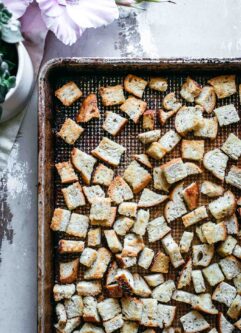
(190, 28)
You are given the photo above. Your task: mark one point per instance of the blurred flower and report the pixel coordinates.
(68, 19)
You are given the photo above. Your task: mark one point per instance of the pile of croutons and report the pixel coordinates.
(109, 242)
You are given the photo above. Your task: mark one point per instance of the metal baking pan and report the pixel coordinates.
(90, 74)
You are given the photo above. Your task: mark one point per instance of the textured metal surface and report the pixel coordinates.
(89, 81)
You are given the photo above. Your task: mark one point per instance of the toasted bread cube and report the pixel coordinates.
(213, 274)
(169, 140)
(103, 175)
(227, 115)
(60, 219)
(93, 192)
(70, 246)
(231, 267)
(88, 288)
(131, 308)
(84, 163)
(70, 131)
(149, 137)
(61, 315)
(175, 170)
(193, 149)
(226, 248)
(183, 296)
(223, 206)
(232, 225)
(108, 222)
(190, 89)
(208, 129)
(214, 232)
(90, 312)
(156, 151)
(203, 302)
(158, 83)
(238, 324)
(224, 85)
(94, 237)
(88, 109)
(175, 208)
(140, 182)
(68, 271)
(200, 234)
(186, 241)
(188, 119)
(113, 324)
(78, 225)
(191, 195)
(90, 328)
(153, 280)
(135, 85)
(195, 216)
(216, 162)
(114, 123)
(112, 95)
(68, 93)
(157, 229)
(140, 286)
(163, 292)
(237, 251)
(88, 257)
(122, 225)
(125, 280)
(149, 312)
(224, 293)
(74, 306)
(143, 159)
(145, 258)
(170, 103)
(149, 198)
(159, 179)
(112, 240)
(166, 315)
(160, 263)
(128, 209)
(119, 190)
(66, 172)
(141, 222)
(164, 115)
(134, 108)
(71, 324)
(198, 281)
(125, 261)
(100, 209)
(109, 308)
(185, 276)
(172, 249)
(61, 292)
(211, 189)
(73, 196)
(232, 146)
(148, 120)
(207, 99)
(224, 326)
(234, 177)
(234, 310)
(202, 254)
(193, 322)
(129, 327)
(109, 151)
(133, 244)
(99, 267)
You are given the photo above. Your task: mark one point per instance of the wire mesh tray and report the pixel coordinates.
(90, 74)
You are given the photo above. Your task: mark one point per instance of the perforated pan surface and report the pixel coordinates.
(89, 81)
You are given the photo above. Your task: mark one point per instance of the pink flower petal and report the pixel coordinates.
(92, 13)
(17, 7)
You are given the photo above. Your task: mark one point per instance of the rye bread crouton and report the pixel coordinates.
(230, 266)
(191, 195)
(224, 293)
(192, 149)
(113, 324)
(190, 89)
(156, 151)
(119, 190)
(198, 281)
(216, 161)
(68, 93)
(133, 244)
(232, 225)
(174, 170)
(90, 311)
(169, 140)
(149, 137)
(109, 151)
(109, 308)
(158, 83)
(90, 328)
(103, 175)
(135, 85)
(61, 315)
(94, 237)
(61, 292)
(195, 216)
(134, 108)
(140, 286)
(183, 296)
(71, 324)
(234, 177)
(202, 254)
(68, 271)
(128, 209)
(188, 119)
(166, 315)
(224, 85)
(143, 159)
(93, 192)
(211, 189)
(88, 257)
(214, 232)
(122, 225)
(60, 219)
(224, 326)
(113, 241)
(150, 199)
(70, 131)
(66, 172)
(99, 267)
(207, 99)
(129, 327)
(232, 147)
(88, 288)
(148, 122)
(186, 241)
(185, 276)
(141, 222)
(213, 274)
(131, 308)
(170, 102)
(227, 115)
(88, 109)
(193, 322)
(223, 206)
(163, 292)
(160, 263)
(173, 251)
(73, 196)
(84, 163)
(159, 179)
(74, 306)
(70, 246)
(149, 312)
(145, 258)
(226, 248)
(175, 208)
(234, 310)
(153, 280)
(112, 95)
(125, 280)
(203, 302)
(114, 123)
(100, 209)
(130, 176)
(157, 229)
(208, 129)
